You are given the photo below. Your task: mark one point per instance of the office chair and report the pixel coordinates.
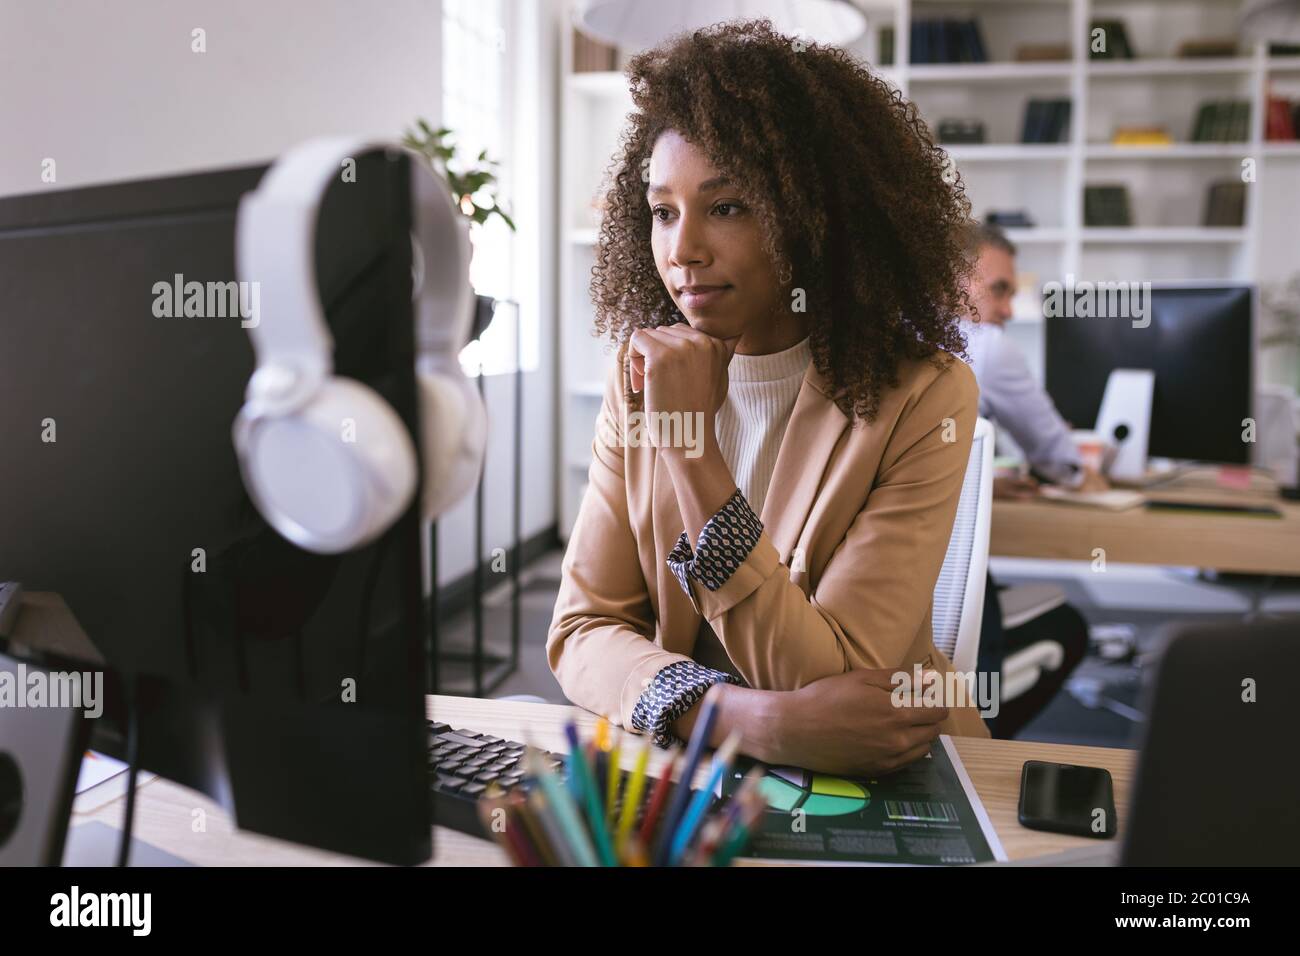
(1022, 669)
(959, 592)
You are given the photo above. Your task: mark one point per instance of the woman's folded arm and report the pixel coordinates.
(878, 585)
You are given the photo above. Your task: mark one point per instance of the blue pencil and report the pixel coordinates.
(695, 813)
(591, 798)
(699, 740)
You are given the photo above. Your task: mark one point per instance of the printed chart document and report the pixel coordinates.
(926, 814)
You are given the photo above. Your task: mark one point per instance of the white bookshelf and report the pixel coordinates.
(1167, 185)
(1176, 67)
(1009, 152)
(1174, 151)
(1013, 72)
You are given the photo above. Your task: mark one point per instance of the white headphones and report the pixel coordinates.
(326, 461)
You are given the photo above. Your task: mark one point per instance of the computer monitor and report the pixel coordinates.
(1216, 783)
(1199, 343)
(287, 685)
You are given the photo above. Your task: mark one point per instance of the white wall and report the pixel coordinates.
(113, 91)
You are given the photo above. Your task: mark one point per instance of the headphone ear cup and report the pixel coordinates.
(453, 438)
(333, 475)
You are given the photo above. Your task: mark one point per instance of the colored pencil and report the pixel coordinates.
(615, 778)
(694, 751)
(731, 814)
(487, 807)
(591, 798)
(739, 837)
(700, 804)
(632, 798)
(566, 811)
(658, 800)
(555, 835)
(523, 811)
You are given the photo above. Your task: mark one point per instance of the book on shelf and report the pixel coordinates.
(1009, 219)
(1042, 52)
(1106, 205)
(944, 40)
(592, 56)
(1108, 40)
(1280, 119)
(1225, 203)
(1046, 121)
(1222, 121)
(960, 131)
(1141, 136)
(1207, 46)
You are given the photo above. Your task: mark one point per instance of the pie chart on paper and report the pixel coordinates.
(790, 788)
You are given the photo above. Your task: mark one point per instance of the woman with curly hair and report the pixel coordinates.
(780, 263)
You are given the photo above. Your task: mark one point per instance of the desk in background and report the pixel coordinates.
(1244, 543)
(165, 811)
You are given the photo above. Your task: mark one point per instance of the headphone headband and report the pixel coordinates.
(323, 492)
(277, 224)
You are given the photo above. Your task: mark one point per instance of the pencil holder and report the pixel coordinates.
(597, 814)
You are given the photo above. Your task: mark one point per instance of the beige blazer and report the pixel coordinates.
(855, 528)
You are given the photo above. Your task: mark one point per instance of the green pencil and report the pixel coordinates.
(561, 801)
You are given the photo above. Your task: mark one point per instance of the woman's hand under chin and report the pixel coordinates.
(681, 369)
(684, 371)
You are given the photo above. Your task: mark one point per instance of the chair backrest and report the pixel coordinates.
(959, 592)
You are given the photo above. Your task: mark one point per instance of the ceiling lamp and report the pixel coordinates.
(636, 24)
(1276, 20)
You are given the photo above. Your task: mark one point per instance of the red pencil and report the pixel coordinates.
(657, 801)
(517, 834)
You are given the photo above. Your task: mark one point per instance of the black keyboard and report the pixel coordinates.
(462, 763)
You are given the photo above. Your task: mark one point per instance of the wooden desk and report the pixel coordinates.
(165, 812)
(1245, 543)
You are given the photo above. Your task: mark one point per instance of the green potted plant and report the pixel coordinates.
(473, 185)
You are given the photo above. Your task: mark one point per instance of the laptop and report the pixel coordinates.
(1218, 781)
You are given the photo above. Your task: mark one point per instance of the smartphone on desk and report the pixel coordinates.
(1066, 798)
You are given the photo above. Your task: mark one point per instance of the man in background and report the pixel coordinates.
(1011, 398)
(1008, 393)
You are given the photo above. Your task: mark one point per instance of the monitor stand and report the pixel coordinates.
(1125, 420)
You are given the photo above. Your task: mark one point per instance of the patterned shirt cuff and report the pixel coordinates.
(725, 541)
(674, 691)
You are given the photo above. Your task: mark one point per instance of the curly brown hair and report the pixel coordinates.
(858, 207)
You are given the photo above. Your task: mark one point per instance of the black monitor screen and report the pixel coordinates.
(122, 494)
(1199, 343)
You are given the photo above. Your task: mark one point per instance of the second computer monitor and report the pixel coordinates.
(1199, 342)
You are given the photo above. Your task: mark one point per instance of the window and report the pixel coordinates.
(478, 106)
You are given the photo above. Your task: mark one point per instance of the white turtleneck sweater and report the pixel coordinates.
(761, 392)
